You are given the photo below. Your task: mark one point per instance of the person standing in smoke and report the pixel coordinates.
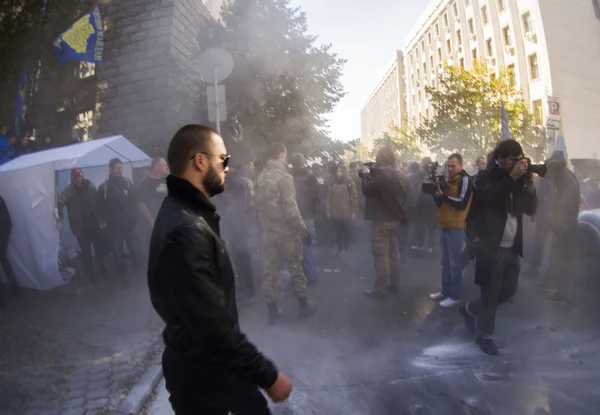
(307, 195)
(116, 203)
(426, 215)
(505, 192)
(385, 195)
(283, 231)
(564, 226)
(80, 199)
(210, 366)
(5, 230)
(342, 200)
(151, 193)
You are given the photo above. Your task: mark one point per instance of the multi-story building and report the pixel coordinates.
(385, 105)
(552, 48)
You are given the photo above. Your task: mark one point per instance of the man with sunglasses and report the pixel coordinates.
(210, 366)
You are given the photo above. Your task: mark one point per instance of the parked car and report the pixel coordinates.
(589, 228)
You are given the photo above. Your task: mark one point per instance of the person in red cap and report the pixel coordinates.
(80, 199)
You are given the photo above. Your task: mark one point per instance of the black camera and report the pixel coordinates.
(369, 166)
(539, 169)
(430, 186)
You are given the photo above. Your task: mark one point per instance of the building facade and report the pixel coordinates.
(148, 82)
(552, 48)
(385, 105)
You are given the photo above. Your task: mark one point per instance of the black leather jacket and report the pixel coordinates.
(192, 287)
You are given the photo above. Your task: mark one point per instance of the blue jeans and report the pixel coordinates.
(309, 261)
(451, 246)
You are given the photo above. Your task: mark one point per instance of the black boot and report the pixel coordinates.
(306, 307)
(274, 313)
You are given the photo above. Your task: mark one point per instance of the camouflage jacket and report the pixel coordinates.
(275, 201)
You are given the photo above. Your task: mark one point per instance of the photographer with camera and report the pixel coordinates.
(505, 193)
(453, 197)
(385, 197)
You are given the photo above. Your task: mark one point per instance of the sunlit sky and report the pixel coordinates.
(366, 34)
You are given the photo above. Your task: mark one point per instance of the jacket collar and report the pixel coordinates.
(185, 191)
(277, 164)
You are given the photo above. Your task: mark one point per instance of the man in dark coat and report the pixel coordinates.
(210, 366)
(5, 229)
(505, 193)
(80, 199)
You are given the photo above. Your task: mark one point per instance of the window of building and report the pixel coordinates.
(85, 124)
(455, 9)
(437, 29)
(506, 36)
(449, 46)
(596, 8)
(489, 47)
(501, 5)
(423, 45)
(419, 95)
(418, 74)
(440, 54)
(527, 23)
(459, 37)
(431, 62)
(446, 23)
(429, 38)
(512, 80)
(538, 112)
(462, 63)
(474, 54)
(484, 14)
(471, 26)
(424, 68)
(534, 67)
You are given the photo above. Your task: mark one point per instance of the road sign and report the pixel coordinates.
(220, 104)
(554, 108)
(215, 58)
(552, 123)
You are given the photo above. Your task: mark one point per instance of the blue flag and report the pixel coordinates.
(505, 129)
(83, 41)
(20, 103)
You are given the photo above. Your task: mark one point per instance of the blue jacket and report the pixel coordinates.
(4, 149)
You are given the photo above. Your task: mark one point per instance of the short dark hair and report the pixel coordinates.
(113, 162)
(298, 160)
(275, 150)
(457, 157)
(352, 165)
(187, 141)
(155, 161)
(480, 158)
(414, 167)
(508, 148)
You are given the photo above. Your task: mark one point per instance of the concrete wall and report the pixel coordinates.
(147, 84)
(572, 33)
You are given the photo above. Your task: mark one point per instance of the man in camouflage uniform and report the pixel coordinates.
(283, 231)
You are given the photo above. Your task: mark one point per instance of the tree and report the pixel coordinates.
(282, 85)
(54, 95)
(467, 107)
(357, 151)
(401, 139)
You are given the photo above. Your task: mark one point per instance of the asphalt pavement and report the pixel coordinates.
(405, 355)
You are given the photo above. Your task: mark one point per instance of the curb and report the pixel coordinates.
(142, 390)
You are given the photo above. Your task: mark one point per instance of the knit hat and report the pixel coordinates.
(76, 173)
(559, 156)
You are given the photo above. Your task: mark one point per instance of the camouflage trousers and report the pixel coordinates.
(384, 246)
(288, 249)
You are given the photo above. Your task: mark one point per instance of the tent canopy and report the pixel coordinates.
(29, 185)
(93, 153)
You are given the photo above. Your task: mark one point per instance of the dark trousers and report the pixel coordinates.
(88, 238)
(563, 260)
(343, 231)
(500, 287)
(197, 387)
(425, 228)
(117, 237)
(242, 259)
(8, 271)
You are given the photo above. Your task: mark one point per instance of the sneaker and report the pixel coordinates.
(437, 296)
(449, 302)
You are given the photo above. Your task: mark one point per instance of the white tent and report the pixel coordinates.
(30, 184)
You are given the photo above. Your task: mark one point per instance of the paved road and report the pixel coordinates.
(404, 355)
(69, 353)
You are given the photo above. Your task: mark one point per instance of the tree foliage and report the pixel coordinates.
(54, 94)
(283, 84)
(401, 139)
(467, 106)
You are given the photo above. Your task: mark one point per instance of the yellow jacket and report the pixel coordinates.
(455, 204)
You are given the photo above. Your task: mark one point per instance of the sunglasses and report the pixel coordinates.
(224, 159)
